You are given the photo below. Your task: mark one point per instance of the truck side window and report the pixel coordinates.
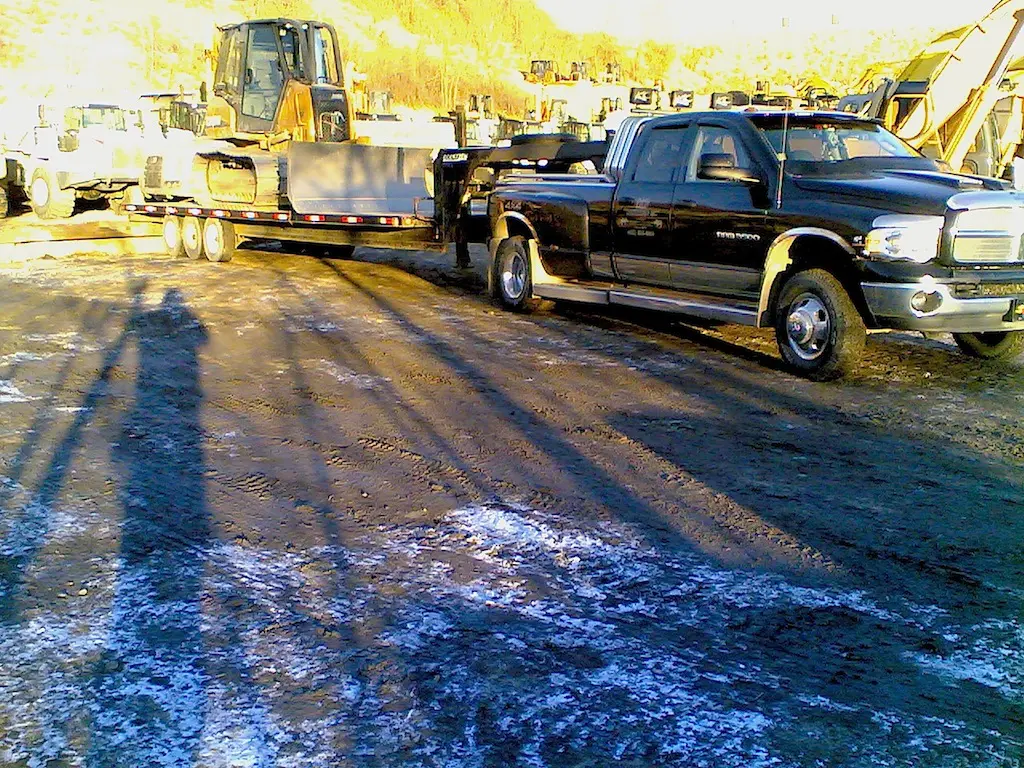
(712, 139)
(661, 156)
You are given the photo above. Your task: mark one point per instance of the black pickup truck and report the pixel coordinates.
(821, 225)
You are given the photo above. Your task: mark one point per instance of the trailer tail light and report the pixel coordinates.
(352, 219)
(391, 221)
(250, 214)
(131, 207)
(281, 217)
(315, 218)
(195, 211)
(220, 214)
(171, 209)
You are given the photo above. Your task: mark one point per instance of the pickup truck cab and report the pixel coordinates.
(821, 225)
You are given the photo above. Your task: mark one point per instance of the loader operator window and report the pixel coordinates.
(264, 79)
(292, 49)
(326, 58)
(229, 69)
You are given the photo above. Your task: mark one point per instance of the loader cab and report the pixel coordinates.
(278, 77)
(544, 71)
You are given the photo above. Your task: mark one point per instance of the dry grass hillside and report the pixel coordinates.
(429, 53)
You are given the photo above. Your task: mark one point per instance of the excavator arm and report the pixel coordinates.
(941, 99)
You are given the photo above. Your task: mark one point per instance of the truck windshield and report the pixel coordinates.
(815, 145)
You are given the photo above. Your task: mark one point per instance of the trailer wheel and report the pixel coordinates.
(219, 239)
(171, 230)
(819, 331)
(192, 237)
(1004, 345)
(48, 200)
(512, 275)
(4, 203)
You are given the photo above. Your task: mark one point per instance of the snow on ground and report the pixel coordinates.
(501, 635)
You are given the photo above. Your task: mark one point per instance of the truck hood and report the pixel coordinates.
(901, 191)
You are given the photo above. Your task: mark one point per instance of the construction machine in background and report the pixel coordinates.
(954, 101)
(577, 103)
(280, 158)
(275, 82)
(71, 148)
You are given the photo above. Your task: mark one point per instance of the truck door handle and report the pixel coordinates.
(686, 204)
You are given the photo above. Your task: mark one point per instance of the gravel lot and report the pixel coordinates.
(304, 511)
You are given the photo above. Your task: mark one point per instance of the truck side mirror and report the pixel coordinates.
(720, 166)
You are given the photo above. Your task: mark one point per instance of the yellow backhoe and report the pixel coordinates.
(952, 100)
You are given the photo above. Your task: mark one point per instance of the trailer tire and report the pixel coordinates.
(512, 275)
(1003, 345)
(171, 231)
(219, 239)
(192, 237)
(47, 199)
(4, 203)
(819, 331)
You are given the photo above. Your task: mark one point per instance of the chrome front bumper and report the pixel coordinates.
(890, 304)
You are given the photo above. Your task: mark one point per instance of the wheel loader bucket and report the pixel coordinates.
(360, 179)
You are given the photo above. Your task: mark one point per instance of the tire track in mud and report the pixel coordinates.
(236, 404)
(426, 470)
(729, 522)
(255, 484)
(332, 455)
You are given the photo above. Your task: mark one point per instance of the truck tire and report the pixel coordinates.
(219, 240)
(4, 203)
(47, 199)
(512, 275)
(1001, 345)
(171, 230)
(819, 331)
(192, 237)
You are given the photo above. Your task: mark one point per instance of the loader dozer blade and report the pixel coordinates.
(341, 179)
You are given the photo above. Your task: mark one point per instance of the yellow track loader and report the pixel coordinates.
(276, 82)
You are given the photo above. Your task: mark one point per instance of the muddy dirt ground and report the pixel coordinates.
(303, 511)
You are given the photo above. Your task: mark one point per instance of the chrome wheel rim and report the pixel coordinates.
(40, 192)
(808, 326)
(190, 235)
(172, 235)
(212, 236)
(513, 277)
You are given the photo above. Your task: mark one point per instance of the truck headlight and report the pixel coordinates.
(904, 238)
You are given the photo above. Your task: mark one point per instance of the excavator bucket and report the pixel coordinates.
(360, 179)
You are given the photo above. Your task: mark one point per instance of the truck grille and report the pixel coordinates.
(988, 236)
